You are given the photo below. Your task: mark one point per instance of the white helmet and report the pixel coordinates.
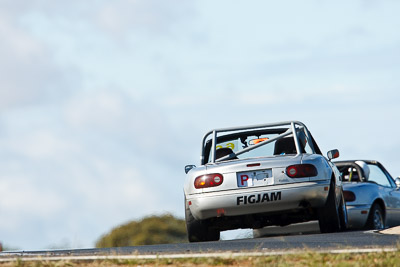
(364, 167)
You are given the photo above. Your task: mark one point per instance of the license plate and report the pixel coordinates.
(255, 178)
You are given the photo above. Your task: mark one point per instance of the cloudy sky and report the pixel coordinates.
(102, 103)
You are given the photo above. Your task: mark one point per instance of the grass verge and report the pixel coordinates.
(390, 258)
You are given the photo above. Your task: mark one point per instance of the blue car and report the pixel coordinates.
(372, 196)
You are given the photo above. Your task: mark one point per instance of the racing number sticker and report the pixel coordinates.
(228, 145)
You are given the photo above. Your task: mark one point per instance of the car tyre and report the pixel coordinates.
(199, 230)
(343, 214)
(376, 218)
(329, 215)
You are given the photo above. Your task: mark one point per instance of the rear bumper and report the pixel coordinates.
(357, 215)
(267, 199)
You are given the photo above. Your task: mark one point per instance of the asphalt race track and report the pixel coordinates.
(346, 241)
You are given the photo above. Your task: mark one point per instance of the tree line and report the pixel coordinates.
(164, 229)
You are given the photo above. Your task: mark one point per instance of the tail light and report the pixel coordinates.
(208, 180)
(349, 196)
(301, 171)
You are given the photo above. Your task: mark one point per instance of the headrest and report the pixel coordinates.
(222, 152)
(285, 146)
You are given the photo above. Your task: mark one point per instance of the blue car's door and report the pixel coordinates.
(395, 205)
(389, 192)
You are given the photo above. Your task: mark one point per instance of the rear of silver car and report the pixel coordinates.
(259, 186)
(232, 190)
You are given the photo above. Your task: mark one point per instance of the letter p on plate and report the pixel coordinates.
(243, 179)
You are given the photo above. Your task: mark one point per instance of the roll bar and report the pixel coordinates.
(294, 127)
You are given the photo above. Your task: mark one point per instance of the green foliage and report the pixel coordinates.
(151, 230)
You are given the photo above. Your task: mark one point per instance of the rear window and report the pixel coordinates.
(241, 143)
(283, 146)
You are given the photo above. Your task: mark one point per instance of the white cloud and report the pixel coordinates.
(29, 74)
(103, 108)
(155, 17)
(20, 196)
(41, 144)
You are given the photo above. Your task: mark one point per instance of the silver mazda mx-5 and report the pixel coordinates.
(261, 175)
(371, 194)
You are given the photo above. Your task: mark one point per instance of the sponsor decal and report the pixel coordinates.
(258, 198)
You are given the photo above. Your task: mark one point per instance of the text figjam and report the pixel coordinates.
(258, 198)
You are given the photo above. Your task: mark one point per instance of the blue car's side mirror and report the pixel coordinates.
(397, 181)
